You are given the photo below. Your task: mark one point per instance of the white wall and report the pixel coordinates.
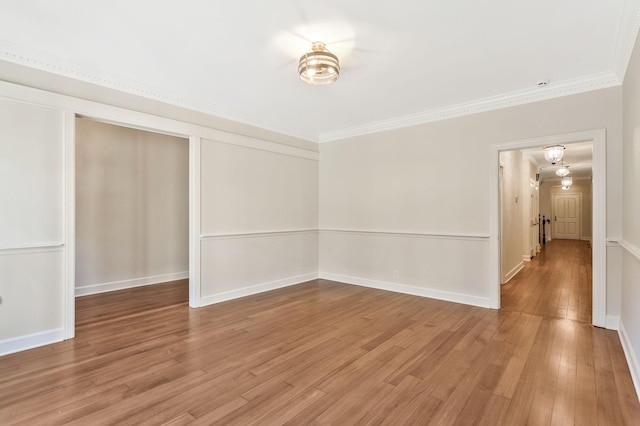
(31, 218)
(132, 207)
(434, 179)
(512, 201)
(630, 241)
(259, 220)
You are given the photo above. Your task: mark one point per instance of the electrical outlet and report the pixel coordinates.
(396, 275)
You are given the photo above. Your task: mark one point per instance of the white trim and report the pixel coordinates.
(599, 213)
(626, 37)
(526, 258)
(556, 90)
(194, 221)
(256, 289)
(30, 341)
(612, 322)
(629, 247)
(32, 248)
(513, 272)
(449, 236)
(599, 228)
(408, 289)
(222, 236)
(69, 225)
(124, 284)
(632, 361)
(143, 121)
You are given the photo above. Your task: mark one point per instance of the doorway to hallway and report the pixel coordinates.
(597, 221)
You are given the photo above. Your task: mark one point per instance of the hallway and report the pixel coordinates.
(556, 283)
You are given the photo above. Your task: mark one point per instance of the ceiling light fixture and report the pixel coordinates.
(319, 67)
(553, 153)
(563, 170)
(566, 181)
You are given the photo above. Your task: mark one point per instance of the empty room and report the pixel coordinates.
(294, 212)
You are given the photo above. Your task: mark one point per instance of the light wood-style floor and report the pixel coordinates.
(322, 353)
(556, 283)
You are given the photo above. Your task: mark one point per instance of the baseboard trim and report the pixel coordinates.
(124, 284)
(612, 322)
(256, 289)
(408, 289)
(512, 273)
(632, 361)
(30, 341)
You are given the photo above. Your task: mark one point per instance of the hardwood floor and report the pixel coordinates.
(556, 283)
(318, 353)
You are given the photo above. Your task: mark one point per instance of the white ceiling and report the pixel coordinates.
(403, 62)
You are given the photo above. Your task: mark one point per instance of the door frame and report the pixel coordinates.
(599, 213)
(553, 212)
(125, 118)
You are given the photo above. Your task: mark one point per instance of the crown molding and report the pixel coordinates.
(626, 38)
(564, 88)
(11, 52)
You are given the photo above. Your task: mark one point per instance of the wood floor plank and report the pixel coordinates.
(329, 353)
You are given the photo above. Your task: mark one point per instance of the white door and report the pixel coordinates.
(566, 216)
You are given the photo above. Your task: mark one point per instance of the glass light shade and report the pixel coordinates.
(554, 153)
(319, 67)
(564, 188)
(563, 171)
(567, 181)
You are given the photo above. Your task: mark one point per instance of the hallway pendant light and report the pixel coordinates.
(563, 170)
(553, 153)
(566, 181)
(319, 67)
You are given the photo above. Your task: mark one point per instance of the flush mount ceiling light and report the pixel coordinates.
(553, 153)
(319, 67)
(563, 170)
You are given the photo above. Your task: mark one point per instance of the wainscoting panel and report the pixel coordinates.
(32, 291)
(447, 267)
(237, 265)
